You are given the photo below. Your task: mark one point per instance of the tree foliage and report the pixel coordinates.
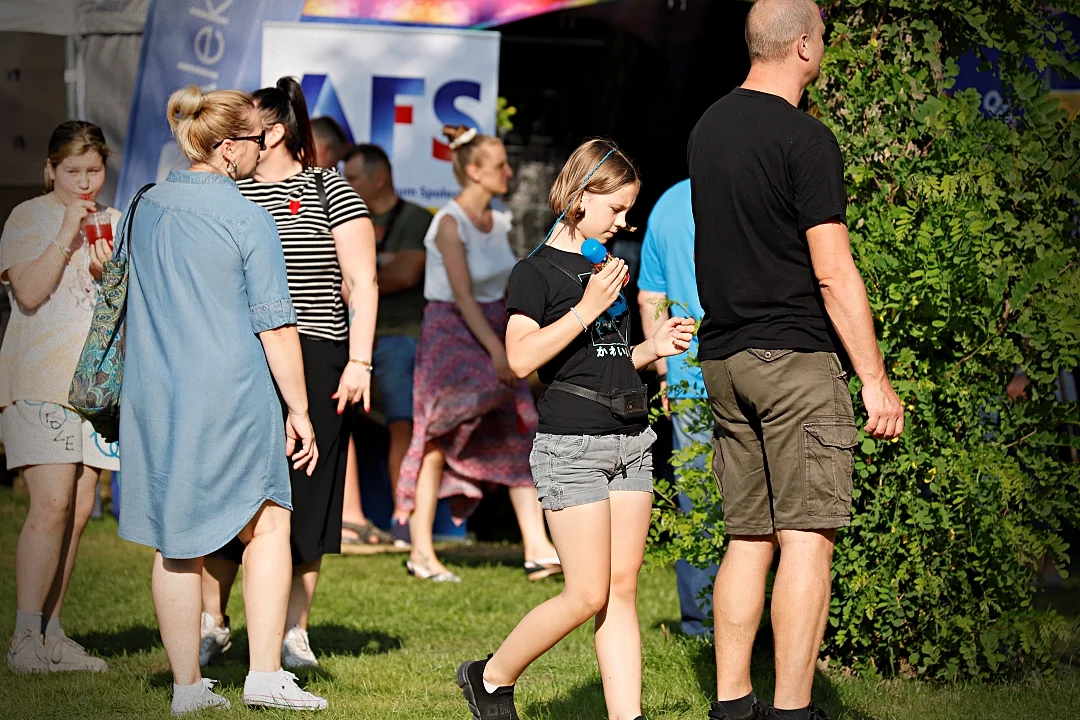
(965, 229)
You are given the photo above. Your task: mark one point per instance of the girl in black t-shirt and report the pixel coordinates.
(591, 460)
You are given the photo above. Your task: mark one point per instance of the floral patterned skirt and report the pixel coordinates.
(484, 428)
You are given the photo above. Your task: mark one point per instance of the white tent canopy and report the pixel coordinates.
(73, 17)
(104, 38)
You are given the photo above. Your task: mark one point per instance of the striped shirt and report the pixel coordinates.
(306, 239)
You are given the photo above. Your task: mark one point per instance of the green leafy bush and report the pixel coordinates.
(965, 230)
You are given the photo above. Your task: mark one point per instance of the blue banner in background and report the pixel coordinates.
(215, 44)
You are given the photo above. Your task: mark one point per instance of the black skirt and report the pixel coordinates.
(317, 500)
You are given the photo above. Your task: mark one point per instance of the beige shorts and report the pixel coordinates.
(40, 433)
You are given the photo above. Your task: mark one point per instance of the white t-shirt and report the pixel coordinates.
(488, 255)
(42, 347)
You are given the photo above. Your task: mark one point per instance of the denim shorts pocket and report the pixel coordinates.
(570, 447)
(829, 446)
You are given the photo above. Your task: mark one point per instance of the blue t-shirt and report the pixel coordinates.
(667, 266)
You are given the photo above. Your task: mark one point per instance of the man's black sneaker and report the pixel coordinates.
(757, 712)
(498, 705)
(813, 714)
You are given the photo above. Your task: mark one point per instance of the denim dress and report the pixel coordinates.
(201, 428)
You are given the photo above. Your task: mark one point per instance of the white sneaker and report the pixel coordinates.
(279, 690)
(197, 698)
(213, 640)
(66, 655)
(26, 654)
(296, 649)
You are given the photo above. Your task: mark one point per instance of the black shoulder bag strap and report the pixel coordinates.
(320, 190)
(125, 231)
(560, 268)
(565, 386)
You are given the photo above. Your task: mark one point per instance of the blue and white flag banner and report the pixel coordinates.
(395, 87)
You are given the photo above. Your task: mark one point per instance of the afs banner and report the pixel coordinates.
(395, 87)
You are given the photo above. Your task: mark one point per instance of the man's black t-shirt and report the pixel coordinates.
(598, 360)
(762, 173)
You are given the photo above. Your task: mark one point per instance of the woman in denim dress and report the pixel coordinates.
(210, 327)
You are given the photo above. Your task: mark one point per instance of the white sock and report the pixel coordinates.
(182, 694)
(53, 628)
(27, 621)
(488, 687)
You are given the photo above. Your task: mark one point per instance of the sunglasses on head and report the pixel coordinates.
(260, 138)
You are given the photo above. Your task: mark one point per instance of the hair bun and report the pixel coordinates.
(185, 104)
(456, 135)
(463, 138)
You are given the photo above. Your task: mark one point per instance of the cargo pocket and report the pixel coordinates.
(829, 445)
(718, 466)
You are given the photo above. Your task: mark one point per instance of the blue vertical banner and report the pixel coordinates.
(215, 44)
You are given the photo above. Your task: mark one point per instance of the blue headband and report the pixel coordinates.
(571, 203)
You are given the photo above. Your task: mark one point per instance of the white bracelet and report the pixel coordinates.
(583, 325)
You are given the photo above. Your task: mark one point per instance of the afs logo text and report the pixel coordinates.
(386, 113)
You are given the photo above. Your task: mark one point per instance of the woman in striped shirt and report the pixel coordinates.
(327, 237)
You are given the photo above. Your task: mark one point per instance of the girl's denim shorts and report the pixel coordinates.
(574, 470)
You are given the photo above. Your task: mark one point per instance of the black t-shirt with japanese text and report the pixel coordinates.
(762, 173)
(599, 359)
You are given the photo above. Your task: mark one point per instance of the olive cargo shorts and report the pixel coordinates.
(784, 440)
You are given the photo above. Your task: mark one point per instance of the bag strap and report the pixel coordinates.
(320, 190)
(130, 219)
(581, 392)
(576, 280)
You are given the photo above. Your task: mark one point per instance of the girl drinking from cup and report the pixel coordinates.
(591, 460)
(48, 269)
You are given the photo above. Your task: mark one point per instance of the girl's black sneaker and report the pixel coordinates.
(498, 705)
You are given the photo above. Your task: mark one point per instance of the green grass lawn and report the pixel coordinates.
(389, 645)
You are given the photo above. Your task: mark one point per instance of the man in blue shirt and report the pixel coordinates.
(667, 273)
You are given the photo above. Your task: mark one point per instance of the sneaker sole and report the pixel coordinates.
(291, 664)
(59, 667)
(281, 704)
(27, 671)
(466, 688)
(216, 706)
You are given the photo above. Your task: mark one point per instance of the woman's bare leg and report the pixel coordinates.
(400, 437)
(176, 586)
(582, 536)
(422, 522)
(85, 489)
(267, 578)
(305, 578)
(352, 511)
(530, 517)
(618, 636)
(38, 555)
(218, 577)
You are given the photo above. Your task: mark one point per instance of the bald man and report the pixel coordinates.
(785, 318)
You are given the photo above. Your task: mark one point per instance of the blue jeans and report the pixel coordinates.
(394, 358)
(695, 584)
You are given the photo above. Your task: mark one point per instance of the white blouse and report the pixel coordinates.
(488, 255)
